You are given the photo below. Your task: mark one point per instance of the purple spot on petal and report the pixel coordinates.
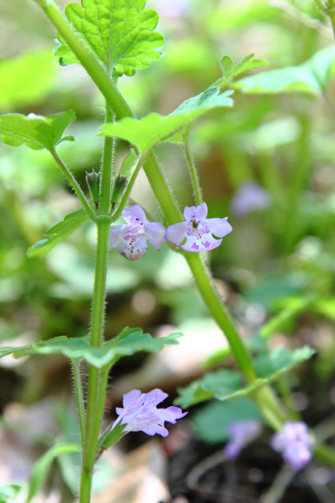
(195, 247)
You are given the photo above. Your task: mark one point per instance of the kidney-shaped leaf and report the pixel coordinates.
(58, 233)
(312, 76)
(153, 128)
(118, 32)
(128, 342)
(35, 131)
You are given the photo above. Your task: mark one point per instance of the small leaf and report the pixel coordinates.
(58, 233)
(35, 131)
(212, 421)
(281, 360)
(230, 71)
(119, 33)
(153, 128)
(312, 76)
(213, 385)
(42, 467)
(130, 341)
(10, 492)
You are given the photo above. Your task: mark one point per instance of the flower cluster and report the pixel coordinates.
(140, 413)
(295, 445)
(197, 232)
(241, 434)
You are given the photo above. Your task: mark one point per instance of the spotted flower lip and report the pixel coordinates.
(241, 433)
(198, 230)
(295, 445)
(140, 413)
(131, 238)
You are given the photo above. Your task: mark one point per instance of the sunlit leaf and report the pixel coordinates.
(130, 341)
(212, 421)
(227, 385)
(42, 467)
(58, 233)
(118, 32)
(36, 69)
(312, 76)
(230, 71)
(35, 131)
(153, 128)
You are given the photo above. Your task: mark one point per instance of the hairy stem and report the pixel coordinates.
(192, 168)
(96, 379)
(74, 184)
(79, 396)
(106, 188)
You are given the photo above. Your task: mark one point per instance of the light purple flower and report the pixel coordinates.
(295, 445)
(241, 433)
(131, 239)
(250, 197)
(139, 412)
(198, 230)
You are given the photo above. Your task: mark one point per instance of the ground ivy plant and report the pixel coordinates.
(111, 38)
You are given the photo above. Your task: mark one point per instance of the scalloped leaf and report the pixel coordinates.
(226, 385)
(35, 131)
(311, 76)
(58, 233)
(153, 128)
(230, 71)
(130, 341)
(118, 32)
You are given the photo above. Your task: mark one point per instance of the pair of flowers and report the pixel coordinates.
(293, 442)
(131, 238)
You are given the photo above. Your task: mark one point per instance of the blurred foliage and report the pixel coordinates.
(277, 264)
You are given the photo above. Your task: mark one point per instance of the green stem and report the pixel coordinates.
(106, 189)
(220, 314)
(74, 184)
(96, 382)
(192, 168)
(130, 185)
(80, 397)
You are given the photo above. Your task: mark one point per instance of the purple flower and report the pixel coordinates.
(198, 230)
(295, 445)
(131, 239)
(250, 197)
(141, 414)
(241, 434)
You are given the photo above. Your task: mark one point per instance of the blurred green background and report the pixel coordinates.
(282, 249)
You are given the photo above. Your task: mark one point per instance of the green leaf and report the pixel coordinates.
(58, 233)
(130, 341)
(10, 491)
(42, 467)
(312, 76)
(118, 32)
(230, 71)
(35, 131)
(36, 69)
(220, 385)
(212, 421)
(153, 128)
(226, 384)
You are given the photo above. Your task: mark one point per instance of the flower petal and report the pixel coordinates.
(205, 243)
(133, 250)
(201, 211)
(176, 233)
(133, 211)
(156, 428)
(154, 233)
(131, 397)
(115, 234)
(219, 226)
(154, 397)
